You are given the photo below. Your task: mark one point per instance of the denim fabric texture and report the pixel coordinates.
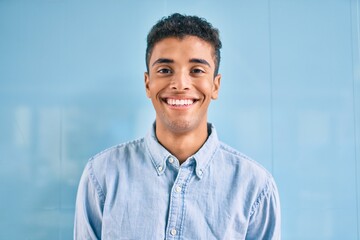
(138, 190)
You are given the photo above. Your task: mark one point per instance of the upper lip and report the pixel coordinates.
(179, 97)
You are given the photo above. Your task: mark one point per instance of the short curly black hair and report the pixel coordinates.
(180, 26)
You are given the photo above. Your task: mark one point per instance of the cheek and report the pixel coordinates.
(152, 87)
(155, 87)
(206, 87)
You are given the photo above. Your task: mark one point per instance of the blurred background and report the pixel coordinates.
(71, 85)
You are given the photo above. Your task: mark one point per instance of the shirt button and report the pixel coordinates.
(171, 160)
(178, 189)
(160, 168)
(173, 232)
(200, 172)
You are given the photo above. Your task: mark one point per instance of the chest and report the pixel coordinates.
(174, 205)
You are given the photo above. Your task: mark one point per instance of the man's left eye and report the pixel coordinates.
(197, 70)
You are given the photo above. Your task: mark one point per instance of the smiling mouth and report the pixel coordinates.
(179, 102)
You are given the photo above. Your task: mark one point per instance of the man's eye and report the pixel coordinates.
(164, 70)
(197, 70)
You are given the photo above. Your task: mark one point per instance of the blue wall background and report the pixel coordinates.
(71, 85)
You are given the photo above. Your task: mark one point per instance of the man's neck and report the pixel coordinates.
(182, 145)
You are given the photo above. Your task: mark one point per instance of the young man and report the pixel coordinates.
(180, 181)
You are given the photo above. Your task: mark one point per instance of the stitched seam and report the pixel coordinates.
(265, 192)
(96, 183)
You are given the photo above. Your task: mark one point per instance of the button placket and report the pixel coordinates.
(176, 203)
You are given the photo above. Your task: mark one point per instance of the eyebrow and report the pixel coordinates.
(192, 60)
(162, 60)
(199, 60)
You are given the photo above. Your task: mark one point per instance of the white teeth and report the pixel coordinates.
(177, 102)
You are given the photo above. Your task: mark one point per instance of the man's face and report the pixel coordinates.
(181, 83)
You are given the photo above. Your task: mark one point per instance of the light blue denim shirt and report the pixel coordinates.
(138, 190)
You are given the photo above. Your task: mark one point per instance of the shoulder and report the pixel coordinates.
(246, 172)
(116, 152)
(240, 160)
(112, 158)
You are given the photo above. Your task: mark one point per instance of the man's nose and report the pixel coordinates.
(180, 81)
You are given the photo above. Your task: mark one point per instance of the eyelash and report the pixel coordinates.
(168, 71)
(164, 71)
(197, 70)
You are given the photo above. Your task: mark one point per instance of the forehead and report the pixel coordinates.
(182, 48)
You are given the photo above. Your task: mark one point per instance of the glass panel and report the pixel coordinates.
(71, 85)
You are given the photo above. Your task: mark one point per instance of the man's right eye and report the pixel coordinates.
(164, 71)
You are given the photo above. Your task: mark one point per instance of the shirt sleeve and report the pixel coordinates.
(265, 221)
(89, 206)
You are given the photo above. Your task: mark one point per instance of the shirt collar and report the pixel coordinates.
(206, 153)
(159, 155)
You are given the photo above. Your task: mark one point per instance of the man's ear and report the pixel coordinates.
(216, 87)
(147, 80)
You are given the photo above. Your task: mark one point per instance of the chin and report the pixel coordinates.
(180, 125)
